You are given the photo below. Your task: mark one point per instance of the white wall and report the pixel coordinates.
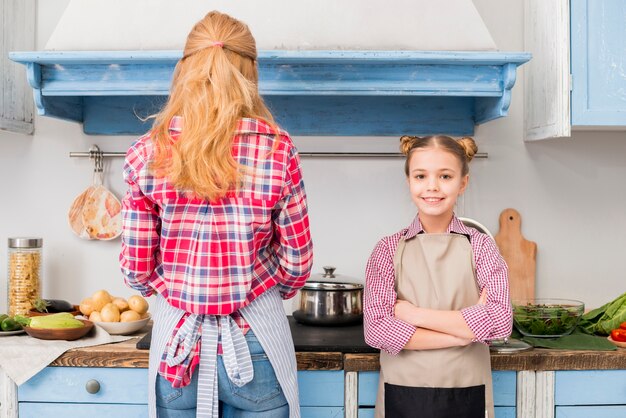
(570, 194)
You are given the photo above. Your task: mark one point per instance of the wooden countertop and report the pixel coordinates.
(125, 354)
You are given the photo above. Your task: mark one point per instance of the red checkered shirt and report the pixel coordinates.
(216, 257)
(490, 321)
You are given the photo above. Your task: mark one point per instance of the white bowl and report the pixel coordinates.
(123, 328)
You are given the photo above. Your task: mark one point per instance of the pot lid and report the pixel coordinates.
(329, 275)
(509, 345)
(332, 286)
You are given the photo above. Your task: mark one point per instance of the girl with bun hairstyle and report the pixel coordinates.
(215, 226)
(436, 292)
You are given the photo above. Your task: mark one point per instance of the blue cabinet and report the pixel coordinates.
(504, 393)
(123, 392)
(63, 392)
(598, 62)
(590, 393)
(321, 393)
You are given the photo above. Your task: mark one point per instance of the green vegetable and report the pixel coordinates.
(605, 318)
(9, 324)
(3, 317)
(22, 320)
(546, 320)
(54, 321)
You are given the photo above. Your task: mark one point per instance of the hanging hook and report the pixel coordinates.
(97, 156)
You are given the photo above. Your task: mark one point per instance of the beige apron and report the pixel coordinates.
(436, 271)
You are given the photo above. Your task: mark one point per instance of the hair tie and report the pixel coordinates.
(218, 43)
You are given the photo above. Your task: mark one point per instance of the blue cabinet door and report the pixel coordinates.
(504, 388)
(590, 411)
(598, 60)
(590, 387)
(321, 388)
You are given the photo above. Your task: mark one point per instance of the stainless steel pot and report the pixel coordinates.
(329, 303)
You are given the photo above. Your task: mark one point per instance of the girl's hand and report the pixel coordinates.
(462, 342)
(405, 311)
(483, 297)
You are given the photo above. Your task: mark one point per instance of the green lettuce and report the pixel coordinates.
(605, 318)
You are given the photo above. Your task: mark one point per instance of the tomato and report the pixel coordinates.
(619, 335)
(623, 325)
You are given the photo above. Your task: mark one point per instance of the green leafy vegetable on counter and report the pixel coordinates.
(605, 318)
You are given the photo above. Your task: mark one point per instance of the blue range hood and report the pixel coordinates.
(318, 93)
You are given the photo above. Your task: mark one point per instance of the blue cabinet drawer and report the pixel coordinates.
(321, 412)
(67, 384)
(505, 412)
(592, 387)
(501, 412)
(366, 412)
(321, 388)
(504, 388)
(38, 410)
(591, 411)
(130, 386)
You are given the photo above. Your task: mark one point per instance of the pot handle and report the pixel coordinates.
(329, 272)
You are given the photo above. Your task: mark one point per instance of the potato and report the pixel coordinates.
(121, 303)
(110, 313)
(101, 298)
(138, 304)
(86, 306)
(95, 317)
(129, 316)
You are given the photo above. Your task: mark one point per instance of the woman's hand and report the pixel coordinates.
(406, 311)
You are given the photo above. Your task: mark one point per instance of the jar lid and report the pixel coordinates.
(25, 242)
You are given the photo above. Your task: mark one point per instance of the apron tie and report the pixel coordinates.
(236, 356)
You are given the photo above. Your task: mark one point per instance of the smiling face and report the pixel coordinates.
(435, 182)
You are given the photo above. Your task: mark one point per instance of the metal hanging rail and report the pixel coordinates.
(94, 150)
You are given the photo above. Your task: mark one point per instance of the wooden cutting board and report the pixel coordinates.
(519, 253)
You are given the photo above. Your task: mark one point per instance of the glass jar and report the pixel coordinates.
(24, 274)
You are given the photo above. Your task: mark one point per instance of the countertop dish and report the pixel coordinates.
(617, 343)
(7, 333)
(123, 328)
(68, 334)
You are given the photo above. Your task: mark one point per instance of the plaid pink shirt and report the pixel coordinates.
(216, 257)
(490, 321)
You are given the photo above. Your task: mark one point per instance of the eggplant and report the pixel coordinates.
(53, 305)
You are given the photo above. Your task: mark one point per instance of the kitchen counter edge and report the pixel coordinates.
(125, 354)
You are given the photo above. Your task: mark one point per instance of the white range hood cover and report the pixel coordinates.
(426, 25)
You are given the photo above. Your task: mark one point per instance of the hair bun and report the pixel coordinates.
(469, 146)
(406, 142)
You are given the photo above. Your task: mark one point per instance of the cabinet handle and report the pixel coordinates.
(92, 386)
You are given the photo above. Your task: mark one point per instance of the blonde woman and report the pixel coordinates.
(216, 226)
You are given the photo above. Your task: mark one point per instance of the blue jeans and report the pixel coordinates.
(260, 398)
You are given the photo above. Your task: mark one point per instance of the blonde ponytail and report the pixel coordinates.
(214, 85)
(406, 142)
(469, 147)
